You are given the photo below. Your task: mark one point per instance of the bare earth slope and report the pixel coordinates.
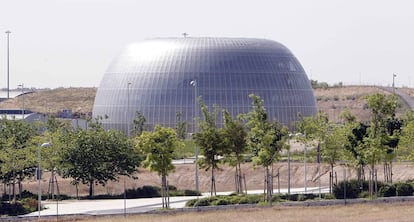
(80, 100)
(183, 178)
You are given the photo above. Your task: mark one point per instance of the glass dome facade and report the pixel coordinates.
(154, 77)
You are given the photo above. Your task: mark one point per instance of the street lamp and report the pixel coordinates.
(127, 112)
(194, 84)
(128, 134)
(290, 137)
(39, 177)
(8, 63)
(21, 85)
(393, 82)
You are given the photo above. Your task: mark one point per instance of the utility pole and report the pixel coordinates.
(8, 64)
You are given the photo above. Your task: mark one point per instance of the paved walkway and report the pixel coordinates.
(102, 207)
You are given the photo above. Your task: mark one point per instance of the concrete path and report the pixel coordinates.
(104, 207)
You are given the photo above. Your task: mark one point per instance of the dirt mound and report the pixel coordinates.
(183, 178)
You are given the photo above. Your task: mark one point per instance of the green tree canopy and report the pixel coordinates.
(17, 151)
(159, 147)
(266, 139)
(95, 156)
(234, 137)
(210, 140)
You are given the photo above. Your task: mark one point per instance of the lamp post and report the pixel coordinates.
(393, 82)
(8, 63)
(22, 86)
(194, 84)
(127, 112)
(128, 134)
(39, 177)
(290, 137)
(304, 165)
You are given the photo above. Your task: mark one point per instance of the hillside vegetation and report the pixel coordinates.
(331, 100)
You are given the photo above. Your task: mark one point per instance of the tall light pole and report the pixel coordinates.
(22, 86)
(8, 63)
(393, 82)
(290, 137)
(129, 135)
(194, 84)
(39, 177)
(127, 112)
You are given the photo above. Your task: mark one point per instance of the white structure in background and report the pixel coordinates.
(18, 114)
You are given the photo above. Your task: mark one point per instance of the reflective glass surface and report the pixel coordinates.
(154, 77)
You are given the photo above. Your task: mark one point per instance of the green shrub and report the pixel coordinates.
(221, 201)
(328, 196)
(387, 190)
(404, 189)
(144, 192)
(171, 187)
(300, 197)
(205, 201)
(364, 194)
(353, 188)
(191, 203)
(29, 204)
(12, 209)
(202, 202)
(191, 193)
(244, 200)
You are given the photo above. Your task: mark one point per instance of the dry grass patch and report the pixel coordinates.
(354, 213)
(79, 100)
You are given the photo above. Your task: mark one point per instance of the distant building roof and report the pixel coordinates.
(13, 93)
(18, 114)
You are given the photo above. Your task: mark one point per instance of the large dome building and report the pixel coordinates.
(160, 77)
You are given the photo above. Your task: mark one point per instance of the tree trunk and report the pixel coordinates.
(213, 183)
(240, 178)
(268, 179)
(14, 188)
(91, 182)
(331, 179)
(163, 191)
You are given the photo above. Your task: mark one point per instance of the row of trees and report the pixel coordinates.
(354, 143)
(362, 145)
(96, 156)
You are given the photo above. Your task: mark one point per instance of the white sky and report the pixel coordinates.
(63, 43)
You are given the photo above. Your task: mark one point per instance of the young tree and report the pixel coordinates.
(315, 130)
(159, 147)
(209, 139)
(356, 135)
(382, 108)
(234, 137)
(17, 153)
(95, 156)
(265, 139)
(406, 145)
(181, 127)
(56, 131)
(333, 147)
(139, 124)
